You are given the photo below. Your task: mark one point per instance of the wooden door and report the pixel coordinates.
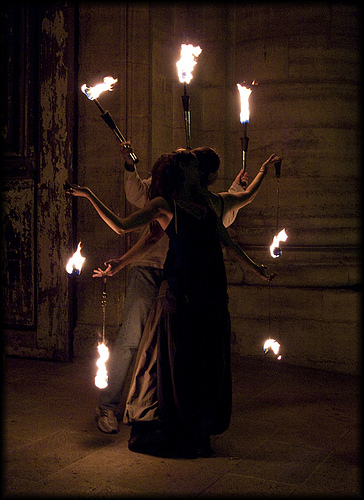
(38, 124)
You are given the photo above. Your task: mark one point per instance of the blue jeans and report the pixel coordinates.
(142, 291)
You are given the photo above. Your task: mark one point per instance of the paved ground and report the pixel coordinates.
(294, 432)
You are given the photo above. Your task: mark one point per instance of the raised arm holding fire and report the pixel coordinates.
(226, 204)
(236, 197)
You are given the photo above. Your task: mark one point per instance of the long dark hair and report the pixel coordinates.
(168, 177)
(209, 162)
(167, 174)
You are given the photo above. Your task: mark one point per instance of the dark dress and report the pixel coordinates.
(193, 375)
(194, 378)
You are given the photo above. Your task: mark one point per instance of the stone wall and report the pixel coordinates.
(305, 59)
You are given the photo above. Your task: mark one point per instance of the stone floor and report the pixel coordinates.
(294, 432)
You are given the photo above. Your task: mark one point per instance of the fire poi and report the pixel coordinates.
(73, 267)
(101, 379)
(275, 251)
(93, 93)
(275, 248)
(75, 263)
(274, 346)
(184, 68)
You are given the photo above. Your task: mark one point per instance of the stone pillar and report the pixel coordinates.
(305, 107)
(306, 61)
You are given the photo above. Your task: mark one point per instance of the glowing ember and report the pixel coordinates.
(101, 379)
(244, 103)
(275, 249)
(187, 62)
(273, 345)
(94, 92)
(74, 265)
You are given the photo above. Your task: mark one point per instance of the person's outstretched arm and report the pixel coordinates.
(239, 185)
(156, 209)
(113, 266)
(236, 251)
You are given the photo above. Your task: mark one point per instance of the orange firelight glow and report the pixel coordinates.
(273, 345)
(187, 62)
(275, 249)
(244, 103)
(75, 263)
(101, 379)
(94, 92)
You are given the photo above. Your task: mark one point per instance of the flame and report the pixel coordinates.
(74, 265)
(94, 92)
(273, 345)
(275, 249)
(101, 379)
(187, 62)
(244, 102)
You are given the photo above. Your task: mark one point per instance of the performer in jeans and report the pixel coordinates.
(144, 280)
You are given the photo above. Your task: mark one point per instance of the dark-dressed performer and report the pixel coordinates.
(193, 360)
(144, 278)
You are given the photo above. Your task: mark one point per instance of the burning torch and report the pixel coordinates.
(101, 379)
(244, 120)
(185, 67)
(93, 93)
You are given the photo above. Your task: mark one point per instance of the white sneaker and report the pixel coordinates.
(106, 421)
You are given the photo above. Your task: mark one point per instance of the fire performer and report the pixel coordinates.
(144, 280)
(199, 404)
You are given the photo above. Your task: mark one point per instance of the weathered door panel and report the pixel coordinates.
(38, 125)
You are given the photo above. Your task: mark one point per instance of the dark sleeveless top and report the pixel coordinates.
(194, 378)
(194, 266)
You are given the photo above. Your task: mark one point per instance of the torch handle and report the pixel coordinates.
(110, 122)
(188, 129)
(277, 166)
(243, 161)
(187, 115)
(244, 150)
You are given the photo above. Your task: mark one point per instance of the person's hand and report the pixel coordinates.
(99, 273)
(76, 190)
(271, 161)
(126, 148)
(112, 267)
(262, 270)
(242, 179)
